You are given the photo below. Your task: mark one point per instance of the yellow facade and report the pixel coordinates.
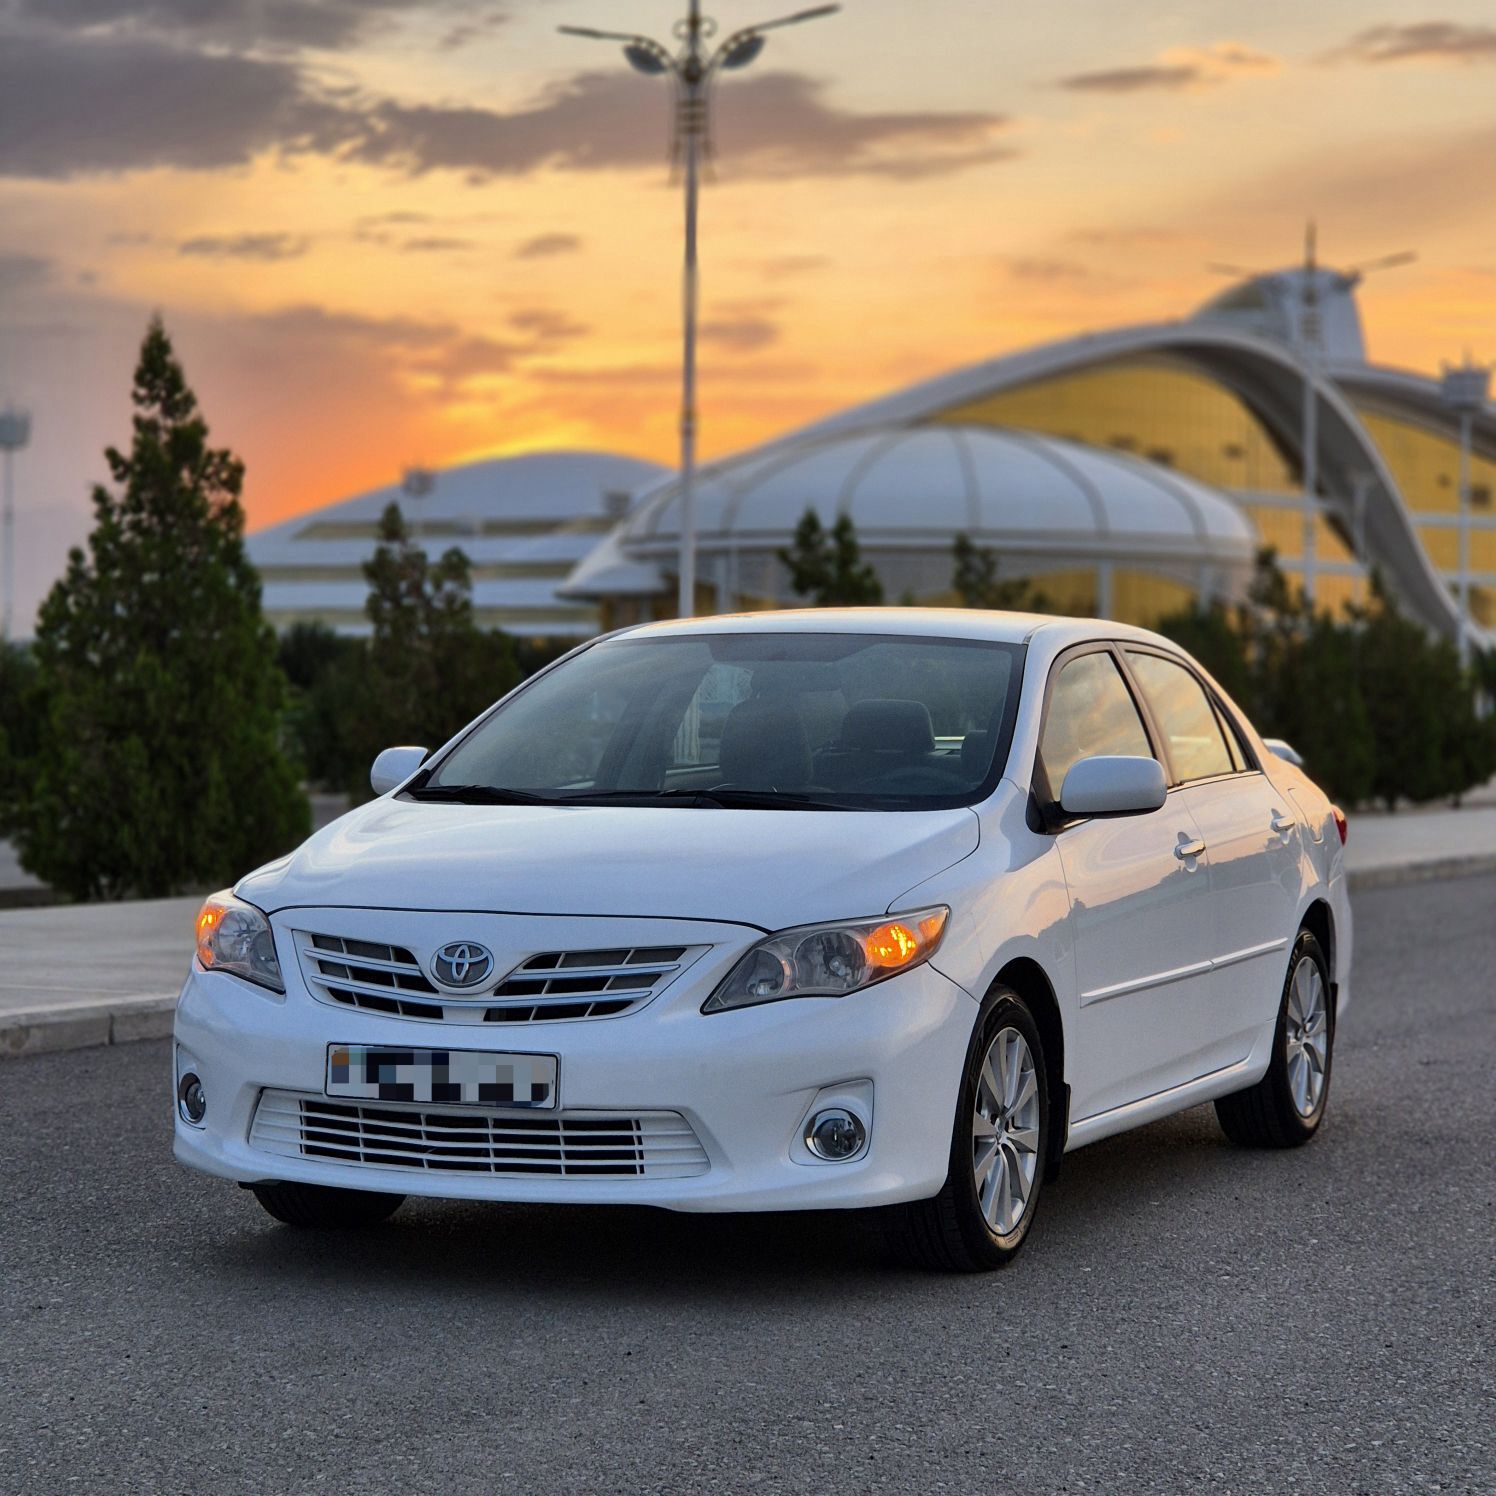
(1152, 408)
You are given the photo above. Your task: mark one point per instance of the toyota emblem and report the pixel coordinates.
(462, 964)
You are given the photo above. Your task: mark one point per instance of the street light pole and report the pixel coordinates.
(691, 123)
(15, 432)
(692, 68)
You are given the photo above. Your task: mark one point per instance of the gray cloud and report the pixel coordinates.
(439, 350)
(745, 334)
(1149, 76)
(102, 102)
(293, 24)
(1042, 268)
(777, 124)
(378, 220)
(781, 267)
(434, 244)
(1439, 41)
(91, 104)
(543, 246)
(436, 350)
(548, 326)
(265, 247)
(479, 26)
(1178, 68)
(1125, 235)
(21, 272)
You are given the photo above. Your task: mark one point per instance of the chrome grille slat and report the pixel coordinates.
(437, 1139)
(548, 987)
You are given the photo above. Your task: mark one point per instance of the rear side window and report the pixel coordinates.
(1091, 711)
(1185, 716)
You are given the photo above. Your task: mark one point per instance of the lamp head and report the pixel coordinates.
(742, 50)
(645, 59)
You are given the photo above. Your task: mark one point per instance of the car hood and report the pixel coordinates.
(760, 867)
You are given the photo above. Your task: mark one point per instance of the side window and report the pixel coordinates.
(1091, 711)
(1185, 716)
(1233, 743)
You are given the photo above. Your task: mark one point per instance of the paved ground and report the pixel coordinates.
(1186, 1315)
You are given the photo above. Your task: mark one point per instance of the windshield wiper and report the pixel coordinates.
(478, 794)
(723, 798)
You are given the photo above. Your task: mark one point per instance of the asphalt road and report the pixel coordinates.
(1185, 1316)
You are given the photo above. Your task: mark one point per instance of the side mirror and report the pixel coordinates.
(393, 767)
(1113, 786)
(1285, 751)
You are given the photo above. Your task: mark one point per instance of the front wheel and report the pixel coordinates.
(999, 1143)
(1284, 1109)
(319, 1205)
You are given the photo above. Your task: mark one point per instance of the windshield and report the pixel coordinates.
(782, 721)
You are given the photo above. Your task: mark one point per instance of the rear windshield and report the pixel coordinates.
(821, 720)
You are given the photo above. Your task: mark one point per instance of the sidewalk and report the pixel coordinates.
(78, 975)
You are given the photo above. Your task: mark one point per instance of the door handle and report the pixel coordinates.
(1185, 850)
(1282, 824)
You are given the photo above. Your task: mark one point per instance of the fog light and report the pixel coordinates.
(191, 1100)
(835, 1134)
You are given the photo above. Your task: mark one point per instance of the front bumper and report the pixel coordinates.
(743, 1081)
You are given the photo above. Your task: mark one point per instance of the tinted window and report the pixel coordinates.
(1185, 716)
(1091, 711)
(866, 721)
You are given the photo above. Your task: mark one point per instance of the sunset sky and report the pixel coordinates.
(385, 232)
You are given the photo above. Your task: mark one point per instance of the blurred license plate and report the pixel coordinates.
(441, 1075)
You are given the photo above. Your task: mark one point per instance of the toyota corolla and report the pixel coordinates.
(885, 908)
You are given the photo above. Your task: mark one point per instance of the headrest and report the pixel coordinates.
(891, 726)
(976, 754)
(764, 746)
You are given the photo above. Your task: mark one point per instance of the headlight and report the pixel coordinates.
(234, 936)
(830, 960)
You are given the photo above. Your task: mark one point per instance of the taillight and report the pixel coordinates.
(1340, 822)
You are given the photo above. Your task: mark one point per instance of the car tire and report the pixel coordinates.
(1284, 1109)
(319, 1206)
(971, 1226)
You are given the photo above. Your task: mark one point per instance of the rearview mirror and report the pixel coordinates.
(393, 767)
(1286, 751)
(1111, 785)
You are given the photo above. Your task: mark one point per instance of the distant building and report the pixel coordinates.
(1124, 471)
(523, 522)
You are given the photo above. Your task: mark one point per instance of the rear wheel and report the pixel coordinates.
(1000, 1139)
(320, 1206)
(1285, 1108)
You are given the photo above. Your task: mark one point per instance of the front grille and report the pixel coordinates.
(551, 987)
(652, 1145)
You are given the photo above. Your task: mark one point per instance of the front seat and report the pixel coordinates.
(764, 746)
(877, 737)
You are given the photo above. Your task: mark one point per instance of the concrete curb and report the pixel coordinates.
(114, 1020)
(126, 1018)
(1422, 872)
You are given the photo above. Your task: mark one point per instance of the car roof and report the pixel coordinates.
(943, 623)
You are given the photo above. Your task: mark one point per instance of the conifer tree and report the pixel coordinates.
(827, 566)
(976, 582)
(157, 764)
(431, 669)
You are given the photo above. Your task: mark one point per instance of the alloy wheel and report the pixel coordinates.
(1005, 1131)
(1308, 1036)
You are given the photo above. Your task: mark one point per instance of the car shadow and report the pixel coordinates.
(579, 1252)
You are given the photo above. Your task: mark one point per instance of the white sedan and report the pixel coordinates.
(879, 908)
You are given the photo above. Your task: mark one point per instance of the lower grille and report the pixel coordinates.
(654, 1145)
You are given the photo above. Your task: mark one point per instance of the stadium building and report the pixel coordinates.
(1125, 472)
(523, 522)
